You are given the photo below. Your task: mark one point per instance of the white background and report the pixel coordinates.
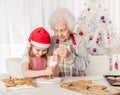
(19, 17)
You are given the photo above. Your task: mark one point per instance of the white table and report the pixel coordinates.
(54, 89)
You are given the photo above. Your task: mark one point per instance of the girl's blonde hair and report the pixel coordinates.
(60, 15)
(31, 54)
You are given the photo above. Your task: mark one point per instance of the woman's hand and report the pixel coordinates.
(56, 71)
(56, 58)
(63, 51)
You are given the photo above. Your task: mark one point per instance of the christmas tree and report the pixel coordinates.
(95, 25)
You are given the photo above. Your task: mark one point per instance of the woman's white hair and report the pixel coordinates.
(62, 14)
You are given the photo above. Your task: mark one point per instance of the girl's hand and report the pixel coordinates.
(49, 71)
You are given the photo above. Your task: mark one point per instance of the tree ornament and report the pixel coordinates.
(110, 22)
(90, 38)
(88, 9)
(81, 33)
(94, 50)
(97, 41)
(102, 17)
(103, 21)
(116, 63)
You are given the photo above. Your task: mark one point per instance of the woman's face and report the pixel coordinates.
(38, 52)
(61, 31)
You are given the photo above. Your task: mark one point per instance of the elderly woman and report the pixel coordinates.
(68, 46)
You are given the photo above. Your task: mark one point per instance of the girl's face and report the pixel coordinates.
(39, 52)
(61, 31)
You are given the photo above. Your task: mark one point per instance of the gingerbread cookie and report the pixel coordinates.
(117, 78)
(48, 77)
(18, 81)
(98, 87)
(85, 81)
(66, 84)
(81, 87)
(111, 78)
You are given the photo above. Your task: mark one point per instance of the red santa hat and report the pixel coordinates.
(40, 38)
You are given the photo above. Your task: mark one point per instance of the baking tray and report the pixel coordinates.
(113, 80)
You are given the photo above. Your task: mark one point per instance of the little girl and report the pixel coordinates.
(35, 61)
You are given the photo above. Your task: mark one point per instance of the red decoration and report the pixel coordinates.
(90, 38)
(81, 33)
(97, 41)
(116, 65)
(108, 36)
(103, 21)
(88, 9)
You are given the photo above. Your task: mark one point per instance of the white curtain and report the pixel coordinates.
(114, 9)
(19, 17)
